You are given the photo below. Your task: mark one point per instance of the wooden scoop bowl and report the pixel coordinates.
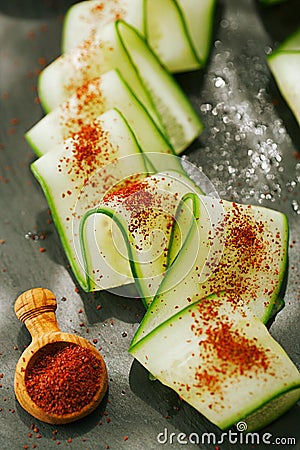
(36, 308)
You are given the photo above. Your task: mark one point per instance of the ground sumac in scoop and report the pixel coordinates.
(63, 379)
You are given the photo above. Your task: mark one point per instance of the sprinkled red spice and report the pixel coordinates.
(90, 149)
(243, 256)
(111, 9)
(228, 353)
(126, 191)
(64, 379)
(88, 51)
(148, 208)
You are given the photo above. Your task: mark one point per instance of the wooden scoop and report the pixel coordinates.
(36, 308)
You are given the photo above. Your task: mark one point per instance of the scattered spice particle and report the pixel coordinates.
(125, 438)
(31, 35)
(297, 155)
(11, 131)
(2, 241)
(42, 61)
(42, 250)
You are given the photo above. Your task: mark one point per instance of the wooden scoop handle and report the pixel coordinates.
(36, 308)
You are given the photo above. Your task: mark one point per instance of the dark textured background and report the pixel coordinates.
(249, 151)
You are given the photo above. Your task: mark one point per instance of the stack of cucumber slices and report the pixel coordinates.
(210, 272)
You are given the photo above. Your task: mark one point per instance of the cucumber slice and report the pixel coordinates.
(285, 67)
(239, 247)
(199, 25)
(284, 64)
(76, 175)
(225, 363)
(181, 123)
(133, 226)
(84, 19)
(170, 42)
(91, 100)
(120, 46)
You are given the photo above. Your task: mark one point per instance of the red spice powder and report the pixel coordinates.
(244, 255)
(126, 191)
(63, 379)
(228, 353)
(112, 9)
(91, 148)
